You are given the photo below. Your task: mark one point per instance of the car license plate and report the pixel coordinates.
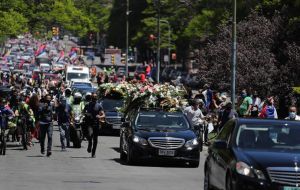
(116, 127)
(291, 188)
(166, 152)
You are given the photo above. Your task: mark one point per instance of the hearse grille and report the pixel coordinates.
(166, 142)
(285, 175)
(113, 120)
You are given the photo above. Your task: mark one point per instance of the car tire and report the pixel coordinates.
(130, 160)
(207, 185)
(194, 164)
(122, 153)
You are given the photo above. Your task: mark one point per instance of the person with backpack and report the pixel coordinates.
(268, 110)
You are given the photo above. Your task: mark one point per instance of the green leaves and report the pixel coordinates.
(200, 25)
(12, 23)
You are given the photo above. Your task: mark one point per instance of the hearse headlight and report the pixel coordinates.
(140, 140)
(192, 143)
(244, 169)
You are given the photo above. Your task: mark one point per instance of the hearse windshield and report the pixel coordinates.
(161, 120)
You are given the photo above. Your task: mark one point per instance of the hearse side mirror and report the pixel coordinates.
(220, 144)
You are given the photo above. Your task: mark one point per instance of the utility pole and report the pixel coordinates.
(127, 38)
(169, 39)
(158, 42)
(234, 49)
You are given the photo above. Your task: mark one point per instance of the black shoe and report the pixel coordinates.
(89, 150)
(49, 154)
(93, 155)
(42, 152)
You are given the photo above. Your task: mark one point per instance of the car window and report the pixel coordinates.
(161, 120)
(269, 137)
(226, 131)
(112, 105)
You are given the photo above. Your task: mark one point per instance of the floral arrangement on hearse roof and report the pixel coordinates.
(136, 95)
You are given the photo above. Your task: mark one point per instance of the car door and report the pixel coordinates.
(220, 158)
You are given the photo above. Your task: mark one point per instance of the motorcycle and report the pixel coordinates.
(76, 135)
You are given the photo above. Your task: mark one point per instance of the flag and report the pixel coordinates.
(21, 64)
(40, 50)
(61, 55)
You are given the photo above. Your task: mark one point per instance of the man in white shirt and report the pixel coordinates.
(194, 114)
(293, 114)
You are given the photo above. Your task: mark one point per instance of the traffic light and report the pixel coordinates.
(152, 37)
(55, 31)
(174, 56)
(113, 59)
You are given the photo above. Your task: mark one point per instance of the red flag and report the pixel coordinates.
(21, 64)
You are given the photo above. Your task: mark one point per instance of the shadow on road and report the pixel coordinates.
(117, 149)
(36, 156)
(154, 163)
(13, 145)
(19, 149)
(81, 157)
(82, 182)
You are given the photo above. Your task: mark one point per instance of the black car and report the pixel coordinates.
(157, 134)
(253, 154)
(112, 115)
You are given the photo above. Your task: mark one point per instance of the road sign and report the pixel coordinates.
(166, 58)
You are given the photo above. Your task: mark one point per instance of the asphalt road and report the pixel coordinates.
(74, 169)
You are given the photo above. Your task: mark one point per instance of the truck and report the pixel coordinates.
(77, 74)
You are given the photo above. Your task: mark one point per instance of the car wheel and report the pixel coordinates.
(194, 164)
(130, 160)
(206, 182)
(122, 153)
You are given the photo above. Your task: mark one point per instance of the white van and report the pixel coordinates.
(77, 73)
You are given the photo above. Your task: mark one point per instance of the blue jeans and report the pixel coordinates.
(46, 129)
(64, 129)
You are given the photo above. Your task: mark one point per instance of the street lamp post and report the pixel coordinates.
(169, 38)
(234, 49)
(127, 37)
(158, 41)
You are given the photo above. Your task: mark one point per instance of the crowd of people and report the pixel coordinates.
(29, 106)
(217, 108)
(35, 103)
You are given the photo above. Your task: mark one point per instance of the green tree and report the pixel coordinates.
(12, 23)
